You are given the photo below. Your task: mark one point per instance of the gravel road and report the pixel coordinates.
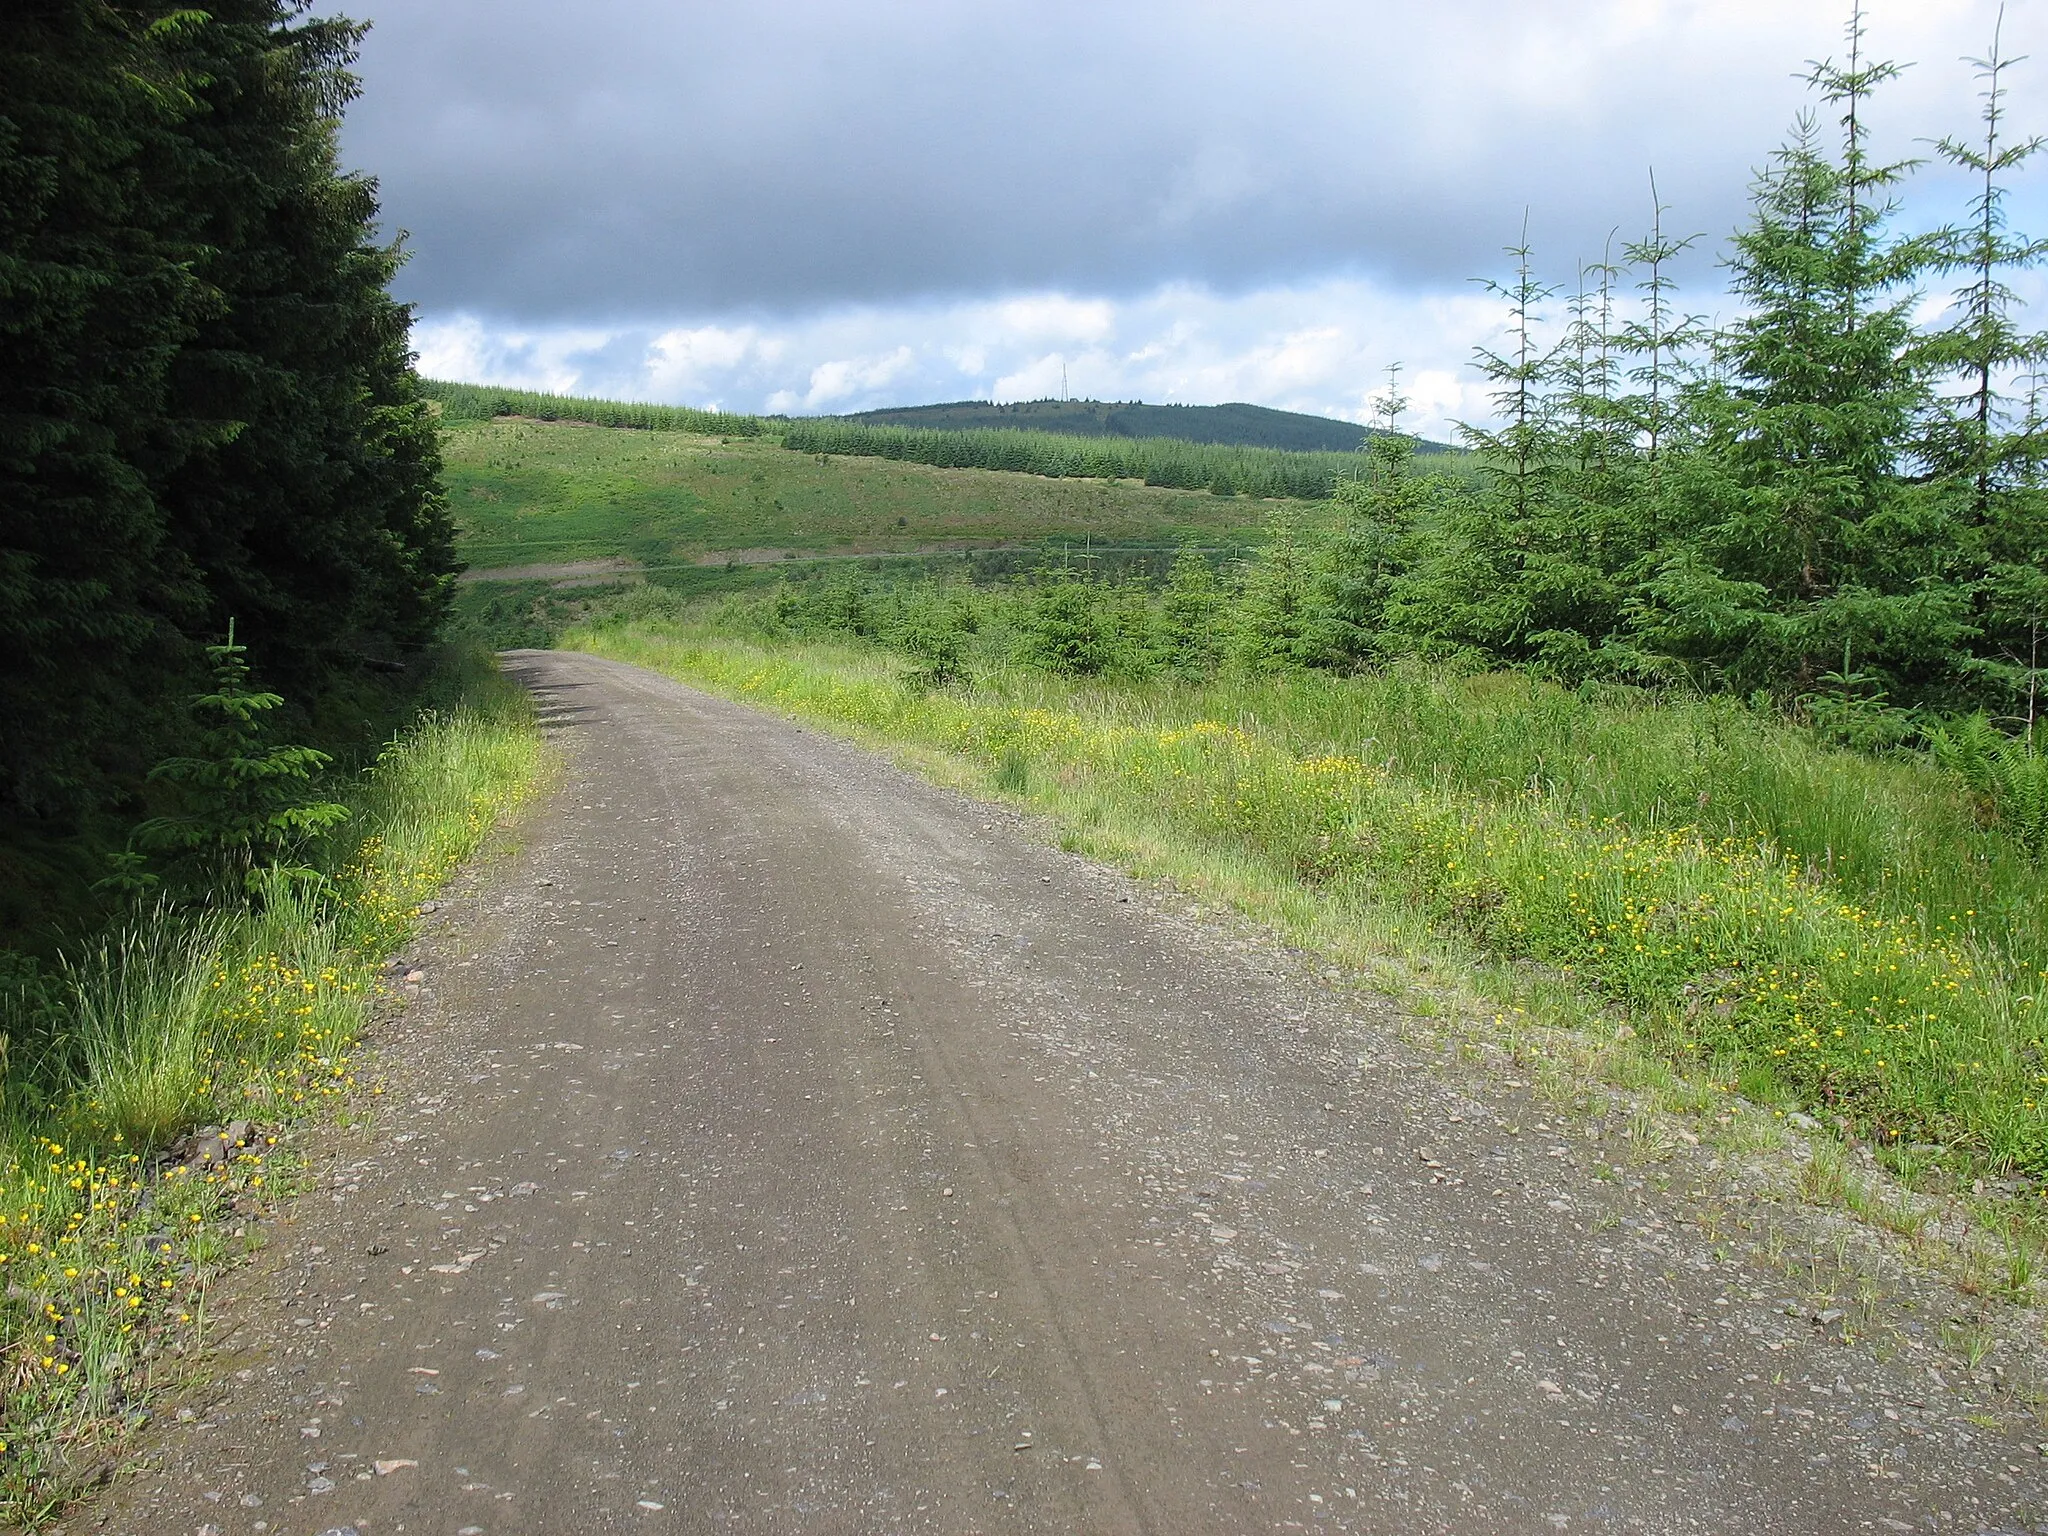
(782, 1144)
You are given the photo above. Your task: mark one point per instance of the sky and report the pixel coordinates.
(822, 206)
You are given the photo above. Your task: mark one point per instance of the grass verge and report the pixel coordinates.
(147, 1085)
(1915, 1033)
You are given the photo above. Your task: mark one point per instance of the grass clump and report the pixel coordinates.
(147, 1007)
(238, 1012)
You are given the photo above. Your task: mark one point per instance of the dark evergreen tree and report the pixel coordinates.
(207, 408)
(1355, 570)
(1064, 628)
(1982, 439)
(98, 293)
(1488, 584)
(315, 513)
(1269, 621)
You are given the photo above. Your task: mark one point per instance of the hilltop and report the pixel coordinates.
(1237, 424)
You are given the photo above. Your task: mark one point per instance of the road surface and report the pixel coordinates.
(782, 1144)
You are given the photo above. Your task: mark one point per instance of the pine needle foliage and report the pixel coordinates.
(207, 406)
(247, 801)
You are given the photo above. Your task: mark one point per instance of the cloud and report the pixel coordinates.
(814, 206)
(629, 159)
(555, 358)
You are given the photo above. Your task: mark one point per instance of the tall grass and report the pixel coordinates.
(237, 1016)
(1722, 941)
(1908, 834)
(1899, 836)
(147, 1025)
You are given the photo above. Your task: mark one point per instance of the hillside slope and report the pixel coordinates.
(1251, 426)
(528, 493)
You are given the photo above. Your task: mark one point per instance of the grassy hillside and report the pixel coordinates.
(1220, 468)
(1236, 425)
(526, 492)
(1250, 426)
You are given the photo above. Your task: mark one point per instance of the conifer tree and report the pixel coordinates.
(319, 511)
(1994, 449)
(1189, 607)
(1589, 370)
(1269, 618)
(1521, 574)
(1355, 572)
(1985, 343)
(1467, 592)
(1063, 629)
(1659, 338)
(1811, 544)
(1518, 455)
(247, 801)
(99, 290)
(207, 405)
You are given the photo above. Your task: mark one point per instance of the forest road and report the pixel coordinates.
(782, 1144)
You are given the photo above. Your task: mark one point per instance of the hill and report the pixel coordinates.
(552, 514)
(525, 492)
(1237, 424)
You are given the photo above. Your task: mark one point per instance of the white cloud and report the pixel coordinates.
(851, 378)
(819, 207)
(544, 359)
(702, 364)
(1048, 317)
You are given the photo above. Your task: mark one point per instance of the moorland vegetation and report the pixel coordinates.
(526, 492)
(1227, 469)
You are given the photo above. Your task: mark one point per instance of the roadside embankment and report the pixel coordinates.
(149, 1084)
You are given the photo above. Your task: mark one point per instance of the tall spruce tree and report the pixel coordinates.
(1985, 343)
(99, 291)
(1814, 552)
(1473, 591)
(1660, 339)
(1993, 445)
(207, 409)
(1189, 606)
(1354, 570)
(317, 516)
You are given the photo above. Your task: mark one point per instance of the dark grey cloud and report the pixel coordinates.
(589, 162)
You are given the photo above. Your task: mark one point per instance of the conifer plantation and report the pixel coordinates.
(224, 564)
(207, 411)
